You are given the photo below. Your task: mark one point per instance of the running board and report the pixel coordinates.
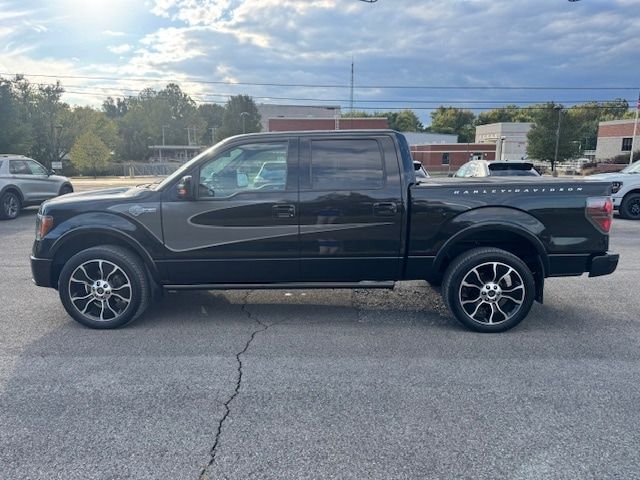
(280, 286)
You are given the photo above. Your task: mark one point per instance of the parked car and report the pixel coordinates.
(349, 215)
(485, 168)
(25, 182)
(625, 190)
(421, 172)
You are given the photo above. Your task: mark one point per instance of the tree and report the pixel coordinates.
(541, 139)
(213, 115)
(589, 115)
(149, 114)
(15, 133)
(454, 120)
(404, 121)
(89, 153)
(241, 116)
(508, 113)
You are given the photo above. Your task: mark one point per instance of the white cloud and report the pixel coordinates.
(120, 49)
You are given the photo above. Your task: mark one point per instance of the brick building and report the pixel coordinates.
(450, 156)
(301, 124)
(614, 138)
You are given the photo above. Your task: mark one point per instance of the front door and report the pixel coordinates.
(242, 227)
(351, 209)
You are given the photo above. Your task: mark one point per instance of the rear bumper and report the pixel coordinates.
(41, 271)
(603, 264)
(572, 265)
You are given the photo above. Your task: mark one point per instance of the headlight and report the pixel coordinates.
(44, 223)
(615, 187)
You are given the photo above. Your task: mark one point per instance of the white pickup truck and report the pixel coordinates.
(625, 191)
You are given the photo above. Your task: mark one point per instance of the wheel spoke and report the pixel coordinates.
(497, 304)
(126, 285)
(511, 290)
(101, 271)
(505, 275)
(102, 310)
(117, 295)
(473, 315)
(518, 302)
(115, 314)
(74, 299)
(495, 271)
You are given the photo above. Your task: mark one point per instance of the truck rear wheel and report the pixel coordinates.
(488, 289)
(104, 287)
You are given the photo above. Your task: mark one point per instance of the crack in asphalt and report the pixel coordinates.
(227, 409)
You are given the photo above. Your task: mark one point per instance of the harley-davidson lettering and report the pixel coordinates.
(486, 191)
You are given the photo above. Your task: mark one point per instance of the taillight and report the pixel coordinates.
(44, 223)
(599, 211)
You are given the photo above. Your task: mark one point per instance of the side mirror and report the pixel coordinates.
(451, 174)
(185, 188)
(417, 166)
(52, 172)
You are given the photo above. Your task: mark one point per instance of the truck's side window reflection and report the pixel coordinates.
(346, 165)
(252, 167)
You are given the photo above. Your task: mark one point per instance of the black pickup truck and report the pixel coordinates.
(321, 210)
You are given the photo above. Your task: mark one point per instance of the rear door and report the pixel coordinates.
(242, 227)
(351, 209)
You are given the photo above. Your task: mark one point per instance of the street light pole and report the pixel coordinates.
(244, 116)
(555, 157)
(635, 130)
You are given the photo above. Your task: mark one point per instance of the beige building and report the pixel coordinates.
(615, 138)
(510, 138)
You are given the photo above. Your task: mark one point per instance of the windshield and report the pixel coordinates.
(633, 168)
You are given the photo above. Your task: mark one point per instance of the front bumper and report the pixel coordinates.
(41, 271)
(603, 264)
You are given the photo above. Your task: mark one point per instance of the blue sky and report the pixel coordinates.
(435, 43)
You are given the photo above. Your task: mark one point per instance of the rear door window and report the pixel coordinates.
(19, 167)
(346, 164)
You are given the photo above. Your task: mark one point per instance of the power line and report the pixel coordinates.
(311, 85)
(405, 107)
(118, 91)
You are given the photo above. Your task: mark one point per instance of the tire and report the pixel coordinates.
(65, 189)
(488, 289)
(104, 287)
(10, 205)
(630, 207)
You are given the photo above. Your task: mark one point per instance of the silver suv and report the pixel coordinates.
(25, 182)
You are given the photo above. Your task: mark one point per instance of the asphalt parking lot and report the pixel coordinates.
(321, 383)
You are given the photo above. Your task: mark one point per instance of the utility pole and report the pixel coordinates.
(555, 157)
(635, 130)
(213, 135)
(351, 93)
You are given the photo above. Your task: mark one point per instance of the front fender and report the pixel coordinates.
(101, 227)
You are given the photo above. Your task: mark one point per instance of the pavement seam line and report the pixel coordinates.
(227, 409)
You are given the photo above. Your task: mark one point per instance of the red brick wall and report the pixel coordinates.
(459, 153)
(300, 124)
(621, 130)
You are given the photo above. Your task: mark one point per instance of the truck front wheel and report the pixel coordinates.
(630, 207)
(104, 287)
(488, 289)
